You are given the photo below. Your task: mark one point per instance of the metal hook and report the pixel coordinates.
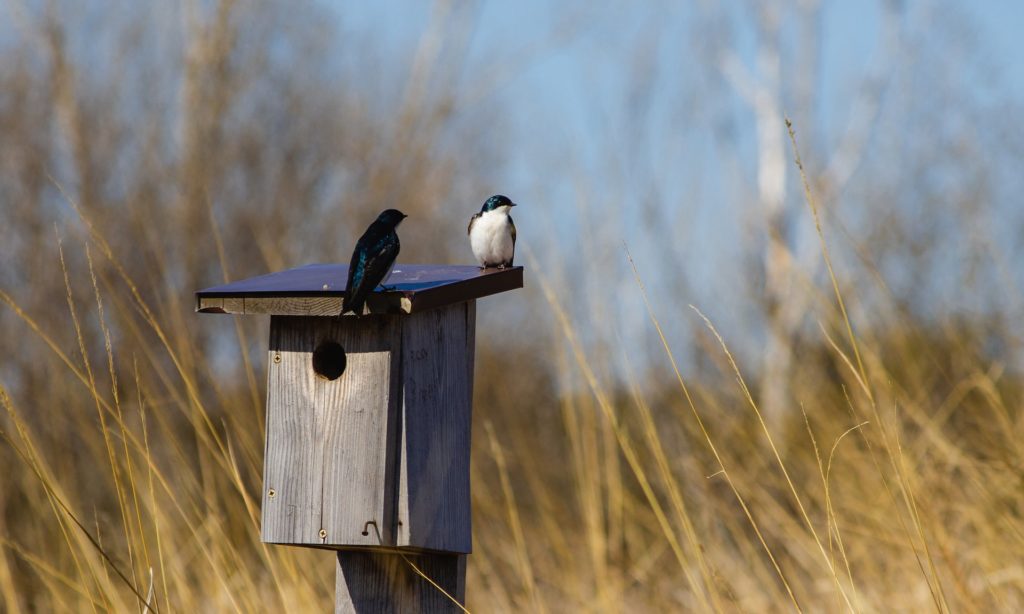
(368, 523)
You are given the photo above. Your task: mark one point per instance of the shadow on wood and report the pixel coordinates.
(372, 582)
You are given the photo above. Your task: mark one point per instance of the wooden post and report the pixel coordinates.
(368, 426)
(387, 582)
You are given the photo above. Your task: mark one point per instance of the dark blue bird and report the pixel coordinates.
(372, 260)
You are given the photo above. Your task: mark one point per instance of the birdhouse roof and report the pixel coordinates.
(316, 290)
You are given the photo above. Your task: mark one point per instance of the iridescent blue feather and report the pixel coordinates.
(372, 260)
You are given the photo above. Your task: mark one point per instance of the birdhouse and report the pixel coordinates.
(368, 417)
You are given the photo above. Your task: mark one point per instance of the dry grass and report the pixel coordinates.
(133, 429)
(895, 484)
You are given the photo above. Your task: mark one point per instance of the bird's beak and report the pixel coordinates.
(512, 205)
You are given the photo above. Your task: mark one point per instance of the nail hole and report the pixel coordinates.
(329, 360)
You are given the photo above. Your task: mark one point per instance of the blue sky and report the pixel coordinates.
(576, 122)
(999, 24)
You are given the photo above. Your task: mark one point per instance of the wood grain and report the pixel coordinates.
(370, 582)
(384, 448)
(437, 367)
(291, 504)
(360, 432)
(378, 303)
(275, 305)
(329, 459)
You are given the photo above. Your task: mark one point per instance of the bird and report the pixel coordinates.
(492, 234)
(372, 260)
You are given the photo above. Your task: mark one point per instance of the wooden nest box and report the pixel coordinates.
(368, 417)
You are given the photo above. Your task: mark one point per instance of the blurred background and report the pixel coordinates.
(842, 432)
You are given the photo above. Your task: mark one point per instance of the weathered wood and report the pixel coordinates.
(360, 435)
(329, 461)
(211, 304)
(379, 303)
(377, 583)
(233, 304)
(377, 458)
(387, 442)
(437, 368)
(368, 439)
(317, 289)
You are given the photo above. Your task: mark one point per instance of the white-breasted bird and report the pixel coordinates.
(492, 234)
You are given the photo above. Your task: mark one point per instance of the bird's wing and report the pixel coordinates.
(379, 259)
(375, 252)
(374, 263)
(513, 225)
(355, 275)
(472, 221)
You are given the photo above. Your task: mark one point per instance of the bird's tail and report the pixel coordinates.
(352, 304)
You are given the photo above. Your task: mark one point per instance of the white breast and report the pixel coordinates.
(491, 238)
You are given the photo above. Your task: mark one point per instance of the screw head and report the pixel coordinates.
(271, 493)
(277, 358)
(323, 533)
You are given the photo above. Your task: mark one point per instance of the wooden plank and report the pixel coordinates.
(360, 432)
(377, 304)
(371, 582)
(488, 283)
(209, 304)
(292, 305)
(317, 290)
(320, 278)
(433, 495)
(328, 456)
(271, 305)
(234, 305)
(470, 356)
(291, 493)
